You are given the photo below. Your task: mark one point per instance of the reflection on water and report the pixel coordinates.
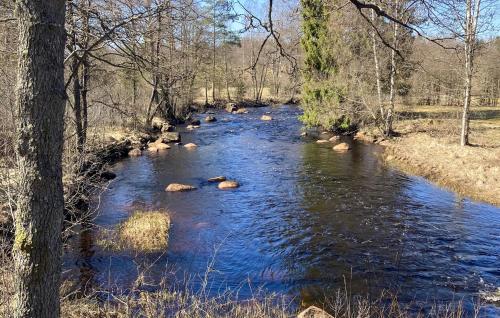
(304, 221)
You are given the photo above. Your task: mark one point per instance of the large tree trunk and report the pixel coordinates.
(41, 102)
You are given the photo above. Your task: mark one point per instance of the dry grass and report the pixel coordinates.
(428, 146)
(143, 231)
(168, 303)
(182, 302)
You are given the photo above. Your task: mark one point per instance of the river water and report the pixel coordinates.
(305, 221)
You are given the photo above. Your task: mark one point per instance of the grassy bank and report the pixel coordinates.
(427, 145)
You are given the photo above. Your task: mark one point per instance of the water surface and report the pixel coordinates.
(305, 221)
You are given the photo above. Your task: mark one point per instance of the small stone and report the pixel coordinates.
(136, 152)
(334, 138)
(161, 146)
(178, 187)
(360, 135)
(314, 312)
(228, 185)
(321, 141)
(210, 119)
(231, 107)
(190, 145)
(241, 111)
(342, 147)
(217, 179)
(266, 117)
(170, 137)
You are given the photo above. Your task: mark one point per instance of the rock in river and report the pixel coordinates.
(161, 146)
(210, 119)
(342, 147)
(266, 117)
(321, 141)
(217, 179)
(190, 145)
(177, 187)
(136, 152)
(170, 137)
(231, 107)
(228, 185)
(334, 138)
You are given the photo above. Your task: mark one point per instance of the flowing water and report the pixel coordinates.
(305, 221)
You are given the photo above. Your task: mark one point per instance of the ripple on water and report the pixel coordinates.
(305, 217)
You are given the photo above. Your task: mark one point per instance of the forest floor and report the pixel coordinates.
(428, 146)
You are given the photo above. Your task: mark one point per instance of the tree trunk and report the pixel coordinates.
(226, 77)
(470, 38)
(392, 93)
(41, 102)
(85, 73)
(213, 56)
(77, 88)
(206, 89)
(377, 69)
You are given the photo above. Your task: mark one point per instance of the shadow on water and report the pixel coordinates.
(304, 221)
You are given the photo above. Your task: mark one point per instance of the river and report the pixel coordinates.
(305, 221)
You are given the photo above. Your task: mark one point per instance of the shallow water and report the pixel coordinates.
(305, 221)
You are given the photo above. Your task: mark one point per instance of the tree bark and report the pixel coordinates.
(213, 53)
(377, 68)
(77, 88)
(41, 103)
(471, 17)
(392, 93)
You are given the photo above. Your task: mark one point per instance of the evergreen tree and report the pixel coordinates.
(321, 95)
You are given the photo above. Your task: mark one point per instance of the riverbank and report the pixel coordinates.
(427, 145)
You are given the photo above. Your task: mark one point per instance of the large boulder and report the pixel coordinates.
(314, 312)
(228, 184)
(178, 187)
(210, 119)
(343, 146)
(170, 137)
(266, 117)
